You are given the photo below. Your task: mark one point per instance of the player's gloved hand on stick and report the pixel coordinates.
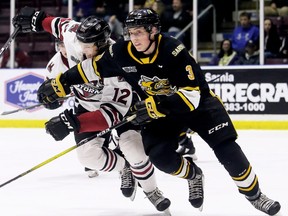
(29, 20)
(147, 110)
(49, 91)
(53, 105)
(60, 126)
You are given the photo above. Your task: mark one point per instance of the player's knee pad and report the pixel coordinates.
(131, 145)
(231, 156)
(165, 158)
(91, 153)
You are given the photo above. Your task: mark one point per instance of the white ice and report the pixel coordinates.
(61, 188)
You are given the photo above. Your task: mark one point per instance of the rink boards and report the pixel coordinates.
(256, 97)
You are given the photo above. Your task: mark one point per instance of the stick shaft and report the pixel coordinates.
(30, 107)
(8, 42)
(126, 120)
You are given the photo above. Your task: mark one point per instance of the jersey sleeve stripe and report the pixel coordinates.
(81, 72)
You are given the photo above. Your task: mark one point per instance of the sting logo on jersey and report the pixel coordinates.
(130, 69)
(156, 86)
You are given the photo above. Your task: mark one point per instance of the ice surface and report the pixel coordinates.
(61, 188)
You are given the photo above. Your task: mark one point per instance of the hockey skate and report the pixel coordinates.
(159, 201)
(196, 192)
(266, 205)
(91, 173)
(186, 147)
(128, 182)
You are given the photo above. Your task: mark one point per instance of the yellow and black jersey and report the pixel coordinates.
(170, 71)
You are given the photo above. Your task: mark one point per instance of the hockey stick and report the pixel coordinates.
(126, 120)
(30, 107)
(21, 109)
(8, 42)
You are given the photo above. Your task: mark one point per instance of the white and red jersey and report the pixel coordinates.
(106, 101)
(57, 64)
(65, 30)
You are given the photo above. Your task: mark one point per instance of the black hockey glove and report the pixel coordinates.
(53, 105)
(29, 20)
(60, 126)
(50, 90)
(146, 111)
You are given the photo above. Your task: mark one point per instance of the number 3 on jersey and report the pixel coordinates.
(190, 72)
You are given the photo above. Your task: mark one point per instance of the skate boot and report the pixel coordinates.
(128, 182)
(196, 192)
(159, 201)
(91, 173)
(265, 204)
(186, 147)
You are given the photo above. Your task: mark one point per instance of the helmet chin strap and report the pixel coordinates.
(151, 41)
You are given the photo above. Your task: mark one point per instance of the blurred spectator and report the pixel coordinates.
(226, 55)
(251, 55)
(104, 10)
(280, 3)
(22, 59)
(205, 22)
(271, 10)
(83, 9)
(116, 27)
(158, 6)
(276, 8)
(224, 11)
(243, 33)
(174, 19)
(283, 51)
(138, 4)
(272, 40)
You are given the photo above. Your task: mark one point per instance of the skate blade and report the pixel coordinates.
(92, 174)
(200, 208)
(167, 212)
(132, 197)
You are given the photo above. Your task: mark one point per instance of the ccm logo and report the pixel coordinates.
(34, 18)
(218, 127)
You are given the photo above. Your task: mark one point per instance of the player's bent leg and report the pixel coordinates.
(131, 145)
(94, 156)
(128, 182)
(182, 167)
(235, 162)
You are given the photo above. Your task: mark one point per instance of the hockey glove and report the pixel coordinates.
(60, 126)
(50, 90)
(53, 105)
(146, 111)
(29, 20)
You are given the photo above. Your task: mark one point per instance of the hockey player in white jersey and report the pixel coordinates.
(59, 63)
(102, 103)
